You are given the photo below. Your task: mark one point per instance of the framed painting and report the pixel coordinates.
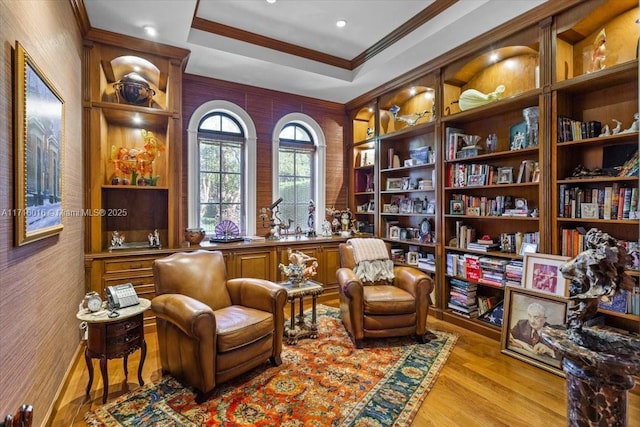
(39, 137)
(542, 273)
(526, 312)
(394, 184)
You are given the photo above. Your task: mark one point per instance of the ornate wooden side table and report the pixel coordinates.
(111, 338)
(297, 327)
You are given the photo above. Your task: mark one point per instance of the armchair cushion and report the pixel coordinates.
(239, 325)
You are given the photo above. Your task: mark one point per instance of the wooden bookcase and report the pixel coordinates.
(545, 68)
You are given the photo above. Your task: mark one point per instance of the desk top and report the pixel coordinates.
(102, 316)
(310, 287)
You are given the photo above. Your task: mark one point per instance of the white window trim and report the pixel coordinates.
(321, 148)
(250, 155)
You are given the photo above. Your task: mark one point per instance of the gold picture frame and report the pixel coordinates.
(39, 137)
(522, 308)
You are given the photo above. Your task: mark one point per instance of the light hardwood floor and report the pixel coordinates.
(478, 386)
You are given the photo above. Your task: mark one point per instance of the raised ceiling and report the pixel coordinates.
(294, 46)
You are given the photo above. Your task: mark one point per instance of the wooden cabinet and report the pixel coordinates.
(595, 134)
(256, 262)
(132, 139)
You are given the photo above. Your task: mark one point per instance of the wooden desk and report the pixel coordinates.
(111, 338)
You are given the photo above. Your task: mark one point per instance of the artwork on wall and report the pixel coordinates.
(38, 121)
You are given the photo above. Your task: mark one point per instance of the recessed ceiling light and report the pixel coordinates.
(271, 1)
(341, 23)
(137, 119)
(493, 57)
(151, 31)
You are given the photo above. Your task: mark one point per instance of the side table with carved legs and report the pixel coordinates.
(111, 338)
(297, 327)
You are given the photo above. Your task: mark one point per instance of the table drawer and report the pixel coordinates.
(124, 327)
(125, 344)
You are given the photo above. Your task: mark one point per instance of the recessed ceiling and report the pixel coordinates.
(294, 46)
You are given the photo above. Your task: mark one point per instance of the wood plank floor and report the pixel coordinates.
(479, 386)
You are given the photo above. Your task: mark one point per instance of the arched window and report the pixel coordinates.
(221, 167)
(299, 171)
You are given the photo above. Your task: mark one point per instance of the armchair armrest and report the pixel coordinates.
(193, 317)
(412, 280)
(257, 293)
(349, 283)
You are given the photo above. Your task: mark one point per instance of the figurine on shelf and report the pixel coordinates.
(412, 119)
(117, 239)
(605, 131)
(472, 98)
(616, 130)
(635, 126)
(311, 222)
(598, 52)
(154, 239)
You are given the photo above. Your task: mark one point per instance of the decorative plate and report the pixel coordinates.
(227, 228)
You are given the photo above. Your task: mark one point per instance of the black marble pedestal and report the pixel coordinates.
(600, 365)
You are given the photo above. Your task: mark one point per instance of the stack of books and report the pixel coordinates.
(513, 273)
(493, 271)
(462, 298)
(484, 245)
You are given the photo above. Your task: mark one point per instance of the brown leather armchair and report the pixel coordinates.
(211, 329)
(383, 310)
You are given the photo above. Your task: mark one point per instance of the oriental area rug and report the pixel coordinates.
(321, 382)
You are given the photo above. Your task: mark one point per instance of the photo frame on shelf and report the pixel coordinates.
(505, 175)
(367, 157)
(475, 180)
(456, 207)
(431, 207)
(517, 136)
(528, 248)
(39, 139)
(589, 210)
(394, 184)
(386, 208)
(394, 232)
(412, 258)
(525, 313)
(542, 274)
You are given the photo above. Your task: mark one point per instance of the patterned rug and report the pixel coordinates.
(321, 382)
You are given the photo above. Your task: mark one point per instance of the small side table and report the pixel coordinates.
(298, 328)
(111, 338)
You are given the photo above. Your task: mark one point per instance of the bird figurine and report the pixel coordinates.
(394, 110)
(412, 119)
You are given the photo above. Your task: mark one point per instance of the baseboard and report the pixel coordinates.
(64, 384)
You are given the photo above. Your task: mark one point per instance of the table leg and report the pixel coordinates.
(292, 320)
(143, 354)
(314, 325)
(105, 378)
(126, 366)
(301, 313)
(87, 359)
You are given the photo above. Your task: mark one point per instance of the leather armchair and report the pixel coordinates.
(211, 329)
(383, 310)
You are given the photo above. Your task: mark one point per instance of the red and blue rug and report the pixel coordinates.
(321, 382)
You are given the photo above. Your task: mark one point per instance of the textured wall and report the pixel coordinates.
(41, 283)
(266, 107)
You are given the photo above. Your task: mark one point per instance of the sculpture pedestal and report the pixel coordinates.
(600, 366)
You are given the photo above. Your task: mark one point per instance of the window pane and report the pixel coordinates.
(228, 125)
(231, 188)
(209, 156)
(211, 123)
(288, 132)
(287, 162)
(231, 212)
(231, 158)
(209, 217)
(303, 189)
(287, 190)
(303, 164)
(209, 187)
(302, 134)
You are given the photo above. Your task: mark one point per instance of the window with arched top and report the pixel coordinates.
(299, 171)
(221, 168)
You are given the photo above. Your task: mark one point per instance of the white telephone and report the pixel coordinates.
(121, 296)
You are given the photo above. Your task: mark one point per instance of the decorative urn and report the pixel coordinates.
(194, 235)
(134, 89)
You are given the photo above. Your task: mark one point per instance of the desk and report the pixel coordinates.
(298, 328)
(111, 338)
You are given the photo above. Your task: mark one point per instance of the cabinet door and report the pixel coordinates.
(330, 264)
(258, 263)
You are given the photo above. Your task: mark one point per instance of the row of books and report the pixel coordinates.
(572, 243)
(623, 302)
(575, 130)
(491, 271)
(610, 202)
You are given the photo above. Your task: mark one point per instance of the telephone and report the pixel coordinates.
(121, 296)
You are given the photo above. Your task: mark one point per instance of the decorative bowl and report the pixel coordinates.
(194, 235)
(133, 89)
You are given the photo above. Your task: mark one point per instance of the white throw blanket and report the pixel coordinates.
(372, 260)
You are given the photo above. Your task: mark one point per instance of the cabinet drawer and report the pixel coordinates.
(139, 282)
(128, 265)
(125, 344)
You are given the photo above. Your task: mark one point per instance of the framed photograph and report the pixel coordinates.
(589, 210)
(394, 184)
(528, 248)
(39, 137)
(394, 232)
(473, 211)
(526, 312)
(431, 207)
(505, 175)
(517, 136)
(542, 274)
(412, 258)
(456, 207)
(367, 157)
(475, 180)
(406, 183)
(386, 208)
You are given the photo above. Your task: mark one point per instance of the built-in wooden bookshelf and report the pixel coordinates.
(507, 186)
